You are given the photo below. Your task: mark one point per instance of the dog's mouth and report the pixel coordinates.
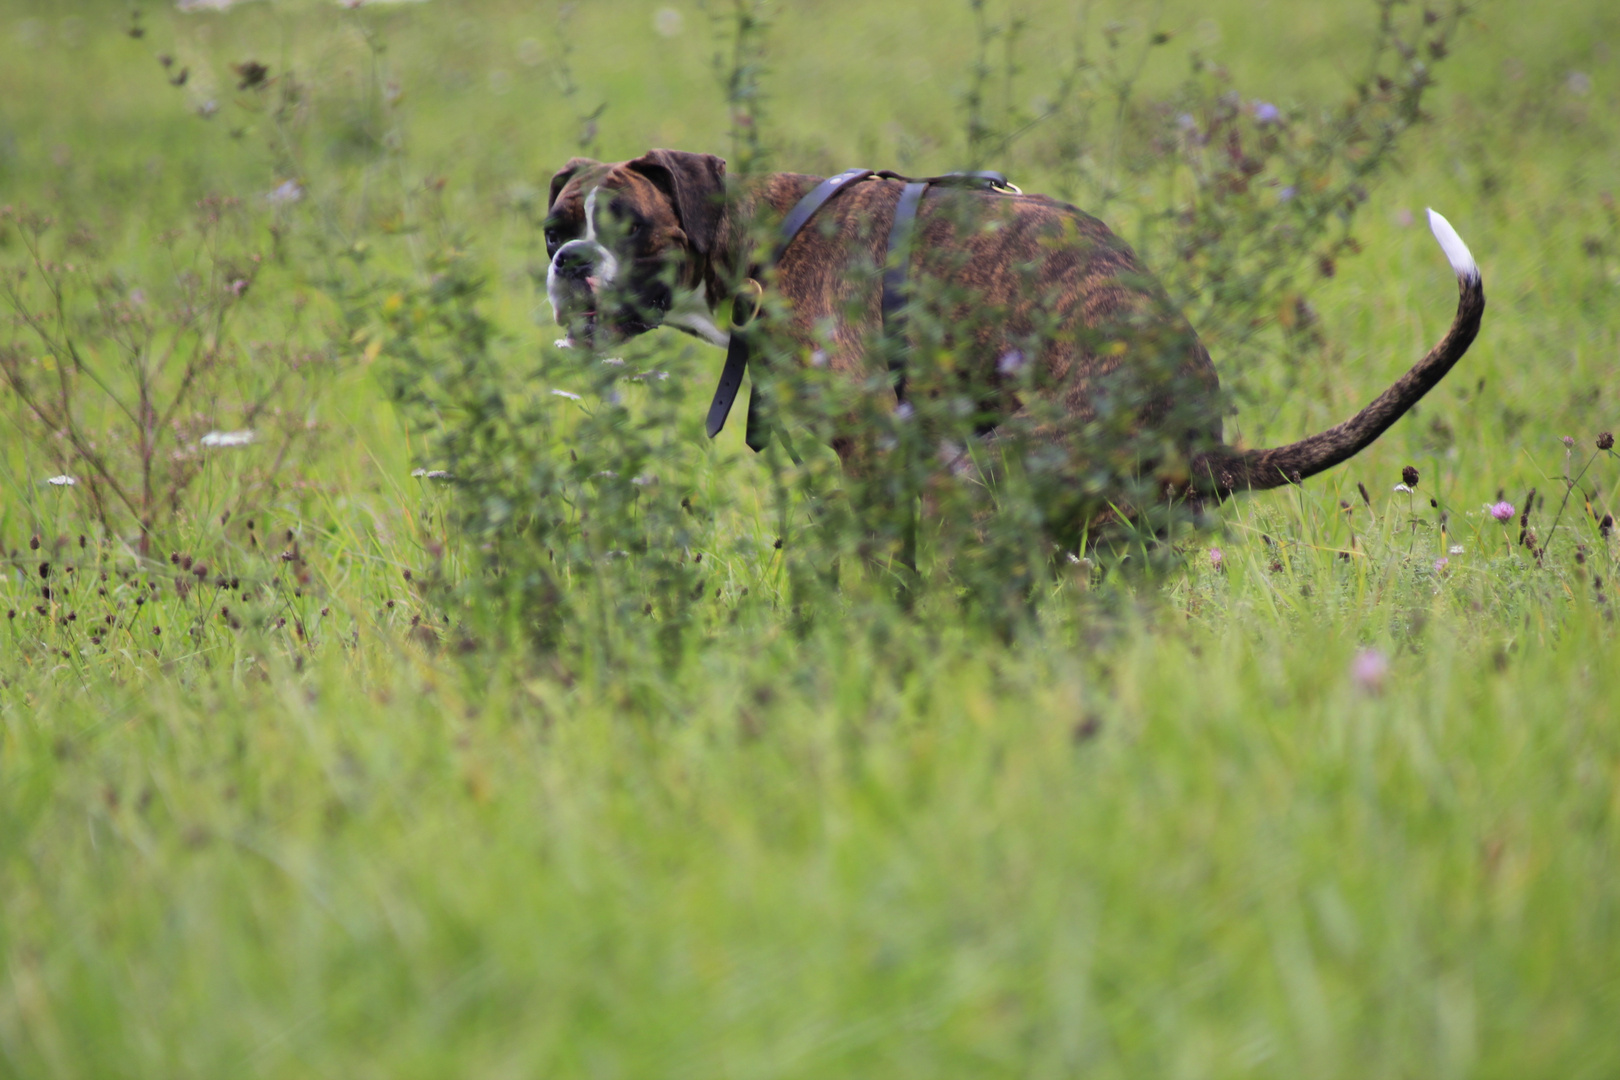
(587, 327)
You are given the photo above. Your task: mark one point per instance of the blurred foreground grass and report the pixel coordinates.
(1295, 815)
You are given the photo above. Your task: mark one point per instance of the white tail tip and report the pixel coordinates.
(1456, 251)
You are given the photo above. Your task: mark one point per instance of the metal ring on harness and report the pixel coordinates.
(755, 308)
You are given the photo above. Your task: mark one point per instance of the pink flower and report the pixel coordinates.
(1502, 511)
(1368, 671)
(1440, 564)
(1216, 558)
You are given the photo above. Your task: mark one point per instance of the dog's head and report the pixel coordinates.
(623, 236)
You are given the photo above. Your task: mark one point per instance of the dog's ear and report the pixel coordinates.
(560, 181)
(696, 185)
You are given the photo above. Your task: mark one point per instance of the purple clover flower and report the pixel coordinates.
(1267, 113)
(1501, 511)
(1369, 670)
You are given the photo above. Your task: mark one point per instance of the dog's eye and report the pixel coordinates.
(553, 240)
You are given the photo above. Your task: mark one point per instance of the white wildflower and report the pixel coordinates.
(613, 361)
(62, 481)
(227, 438)
(1403, 487)
(431, 474)
(904, 411)
(818, 358)
(1456, 549)
(570, 395)
(667, 22)
(564, 343)
(289, 191)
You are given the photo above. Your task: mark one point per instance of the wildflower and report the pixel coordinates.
(1287, 194)
(289, 191)
(1403, 487)
(1569, 442)
(1369, 670)
(1605, 441)
(818, 358)
(1409, 476)
(1440, 564)
(1501, 511)
(667, 22)
(904, 411)
(1010, 362)
(613, 361)
(567, 394)
(431, 474)
(227, 438)
(1456, 549)
(1216, 559)
(61, 481)
(252, 73)
(238, 287)
(1266, 113)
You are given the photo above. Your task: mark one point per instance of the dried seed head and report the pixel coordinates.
(1605, 441)
(1364, 496)
(1409, 476)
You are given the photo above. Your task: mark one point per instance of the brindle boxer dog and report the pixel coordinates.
(663, 241)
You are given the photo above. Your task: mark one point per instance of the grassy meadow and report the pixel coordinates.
(284, 791)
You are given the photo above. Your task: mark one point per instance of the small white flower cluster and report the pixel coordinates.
(1403, 487)
(431, 474)
(288, 191)
(227, 438)
(570, 395)
(61, 481)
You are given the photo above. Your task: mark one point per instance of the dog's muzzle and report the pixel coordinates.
(588, 299)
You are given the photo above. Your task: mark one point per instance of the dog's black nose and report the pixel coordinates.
(576, 261)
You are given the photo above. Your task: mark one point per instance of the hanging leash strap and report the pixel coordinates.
(745, 307)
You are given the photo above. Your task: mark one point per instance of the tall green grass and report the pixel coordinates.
(1322, 809)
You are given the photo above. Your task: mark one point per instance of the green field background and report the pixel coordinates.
(1171, 836)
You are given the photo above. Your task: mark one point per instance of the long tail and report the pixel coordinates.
(1236, 470)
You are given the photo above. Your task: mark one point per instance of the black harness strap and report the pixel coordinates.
(897, 262)
(745, 309)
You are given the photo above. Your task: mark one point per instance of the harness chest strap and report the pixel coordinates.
(745, 308)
